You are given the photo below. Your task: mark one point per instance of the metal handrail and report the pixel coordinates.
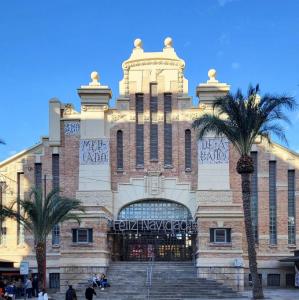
(149, 275)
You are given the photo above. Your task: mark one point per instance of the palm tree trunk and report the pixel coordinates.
(257, 288)
(41, 263)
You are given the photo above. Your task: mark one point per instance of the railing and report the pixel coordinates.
(149, 275)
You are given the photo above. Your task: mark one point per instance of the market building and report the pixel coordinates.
(149, 186)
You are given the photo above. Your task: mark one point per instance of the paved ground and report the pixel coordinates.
(273, 294)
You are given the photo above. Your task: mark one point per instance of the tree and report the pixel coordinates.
(38, 216)
(243, 119)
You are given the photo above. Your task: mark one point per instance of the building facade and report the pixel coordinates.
(149, 186)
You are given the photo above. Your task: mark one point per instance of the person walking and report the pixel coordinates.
(35, 286)
(43, 295)
(28, 288)
(70, 294)
(89, 292)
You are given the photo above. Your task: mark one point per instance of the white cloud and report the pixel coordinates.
(224, 2)
(236, 65)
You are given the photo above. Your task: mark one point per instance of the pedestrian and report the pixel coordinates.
(35, 286)
(28, 287)
(43, 295)
(10, 291)
(89, 292)
(70, 294)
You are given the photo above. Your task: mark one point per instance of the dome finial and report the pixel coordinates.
(138, 43)
(212, 75)
(95, 79)
(168, 42)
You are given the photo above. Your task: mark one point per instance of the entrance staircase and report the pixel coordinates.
(170, 280)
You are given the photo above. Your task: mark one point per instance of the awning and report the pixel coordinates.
(290, 259)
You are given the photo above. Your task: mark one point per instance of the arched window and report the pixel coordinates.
(188, 150)
(158, 209)
(119, 150)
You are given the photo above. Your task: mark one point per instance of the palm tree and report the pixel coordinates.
(38, 216)
(243, 119)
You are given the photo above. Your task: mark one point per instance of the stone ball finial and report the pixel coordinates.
(138, 43)
(168, 42)
(212, 74)
(94, 78)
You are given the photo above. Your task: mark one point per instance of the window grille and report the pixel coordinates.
(54, 280)
(56, 235)
(220, 235)
(291, 208)
(82, 235)
(38, 175)
(272, 203)
(20, 195)
(188, 150)
(55, 171)
(139, 131)
(119, 151)
(153, 122)
(273, 280)
(254, 196)
(167, 131)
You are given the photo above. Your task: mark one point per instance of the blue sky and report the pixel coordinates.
(49, 48)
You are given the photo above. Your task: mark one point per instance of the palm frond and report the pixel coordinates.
(243, 118)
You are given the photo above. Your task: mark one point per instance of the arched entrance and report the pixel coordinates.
(155, 228)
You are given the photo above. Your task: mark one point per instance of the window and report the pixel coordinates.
(188, 150)
(55, 235)
(291, 208)
(82, 235)
(220, 235)
(54, 280)
(155, 210)
(290, 280)
(139, 132)
(273, 280)
(254, 196)
(38, 175)
(167, 131)
(250, 278)
(55, 171)
(272, 203)
(119, 150)
(2, 228)
(20, 195)
(153, 123)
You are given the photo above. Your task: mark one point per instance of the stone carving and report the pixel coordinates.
(94, 151)
(213, 151)
(68, 109)
(71, 128)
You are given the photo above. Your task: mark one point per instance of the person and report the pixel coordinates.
(103, 281)
(70, 293)
(18, 285)
(10, 291)
(94, 280)
(43, 295)
(35, 286)
(89, 292)
(28, 287)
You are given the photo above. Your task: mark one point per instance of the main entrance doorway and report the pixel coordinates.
(158, 229)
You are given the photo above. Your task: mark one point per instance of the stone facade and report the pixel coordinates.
(87, 147)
